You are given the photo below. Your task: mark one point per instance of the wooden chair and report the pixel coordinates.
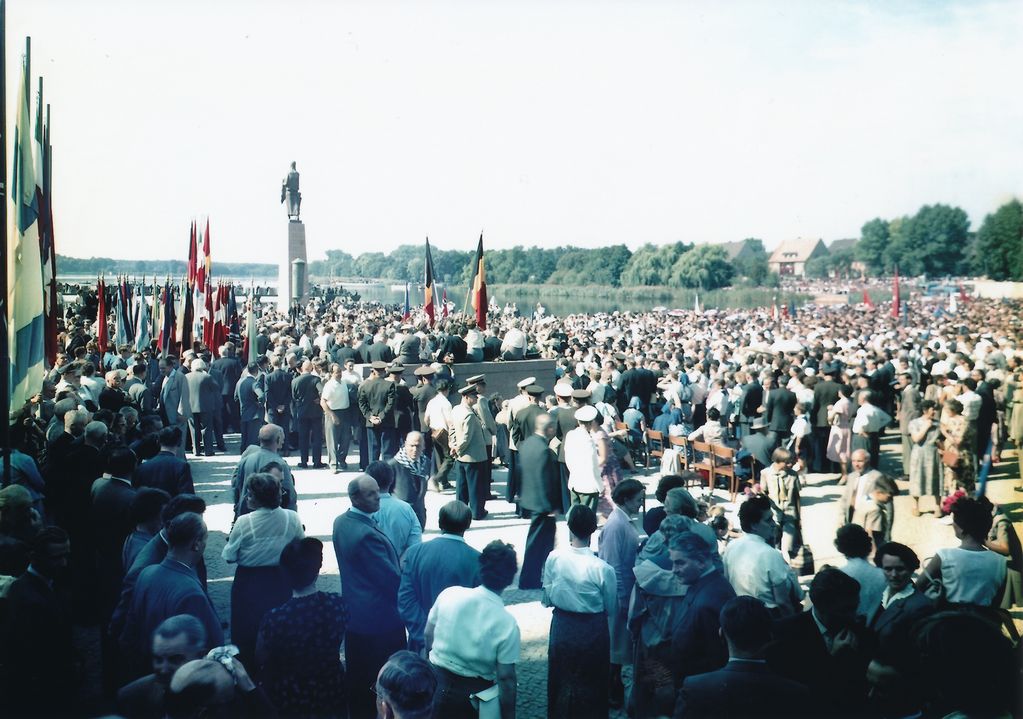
(724, 466)
(637, 452)
(681, 445)
(703, 460)
(654, 445)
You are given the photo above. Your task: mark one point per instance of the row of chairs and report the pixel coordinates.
(713, 460)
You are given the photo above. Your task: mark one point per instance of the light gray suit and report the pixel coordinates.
(176, 405)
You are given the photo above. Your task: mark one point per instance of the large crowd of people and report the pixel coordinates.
(681, 614)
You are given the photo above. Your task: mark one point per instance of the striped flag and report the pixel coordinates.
(142, 336)
(407, 314)
(47, 250)
(168, 326)
(102, 333)
(24, 270)
(428, 288)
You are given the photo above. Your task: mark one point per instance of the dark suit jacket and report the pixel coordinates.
(760, 446)
(369, 572)
(564, 418)
(36, 649)
(305, 397)
(892, 627)
(203, 391)
(277, 385)
(824, 393)
(751, 398)
(780, 406)
(249, 408)
(226, 370)
(739, 690)
(422, 394)
(111, 523)
(524, 422)
(165, 471)
(404, 407)
(539, 476)
(429, 569)
(162, 591)
(377, 352)
(376, 398)
(837, 683)
(696, 645)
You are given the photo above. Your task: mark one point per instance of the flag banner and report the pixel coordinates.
(184, 330)
(444, 303)
(479, 287)
(406, 315)
(102, 333)
(696, 303)
(428, 301)
(867, 301)
(775, 315)
(142, 327)
(168, 327)
(233, 324)
(26, 326)
(192, 255)
(250, 329)
(896, 300)
(48, 252)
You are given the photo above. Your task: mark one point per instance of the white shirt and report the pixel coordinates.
(335, 394)
(970, 401)
(870, 419)
(576, 580)
(258, 537)
(472, 632)
(581, 462)
(756, 569)
(887, 597)
(438, 413)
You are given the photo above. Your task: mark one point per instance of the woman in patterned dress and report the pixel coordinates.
(925, 475)
(957, 434)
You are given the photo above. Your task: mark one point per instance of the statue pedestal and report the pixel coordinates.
(296, 251)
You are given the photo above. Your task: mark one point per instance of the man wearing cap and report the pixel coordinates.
(376, 401)
(584, 479)
(523, 425)
(422, 393)
(482, 410)
(470, 452)
(825, 394)
(519, 401)
(564, 422)
(404, 408)
(540, 498)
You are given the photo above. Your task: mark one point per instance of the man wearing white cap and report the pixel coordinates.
(564, 422)
(516, 403)
(584, 480)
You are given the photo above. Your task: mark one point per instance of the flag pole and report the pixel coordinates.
(5, 354)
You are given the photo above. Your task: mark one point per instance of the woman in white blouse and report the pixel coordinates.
(255, 545)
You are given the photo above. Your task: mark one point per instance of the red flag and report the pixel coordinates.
(428, 286)
(193, 252)
(101, 317)
(962, 294)
(867, 301)
(896, 300)
(479, 288)
(444, 303)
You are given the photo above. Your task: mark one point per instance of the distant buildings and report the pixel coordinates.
(790, 257)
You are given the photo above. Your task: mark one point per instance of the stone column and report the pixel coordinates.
(296, 250)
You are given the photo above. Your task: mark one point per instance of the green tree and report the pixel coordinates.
(753, 263)
(818, 267)
(998, 252)
(652, 264)
(705, 267)
(874, 239)
(935, 241)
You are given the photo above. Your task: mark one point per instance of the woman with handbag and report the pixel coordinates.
(957, 449)
(925, 468)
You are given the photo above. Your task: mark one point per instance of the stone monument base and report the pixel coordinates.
(296, 251)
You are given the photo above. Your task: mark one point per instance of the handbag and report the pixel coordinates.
(950, 457)
(487, 703)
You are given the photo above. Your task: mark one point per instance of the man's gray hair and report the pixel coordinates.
(185, 624)
(95, 432)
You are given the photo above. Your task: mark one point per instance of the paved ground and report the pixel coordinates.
(322, 497)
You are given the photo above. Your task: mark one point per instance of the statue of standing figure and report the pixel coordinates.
(289, 192)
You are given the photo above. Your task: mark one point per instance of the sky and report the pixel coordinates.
(585, 123)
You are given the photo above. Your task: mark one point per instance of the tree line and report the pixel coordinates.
(159, 268)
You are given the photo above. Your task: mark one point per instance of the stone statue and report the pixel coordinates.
(289, 192)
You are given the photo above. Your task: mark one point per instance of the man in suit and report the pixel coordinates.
(470, 452)
(277, 396)
(376, 401)
(169, 588)
(379, 351)
(308, 414)
(825, 394)
(204, 393)
(824, 648)
(539, 497)
(757, 443)
(250, 411)
(411, 467)
(750, 400)
(227, 370)
(404, 408)
(422, 393)
(696, 645)
(745, 686)
(779, 410)
(564, 422)
(166, 471)
(431, 567)
(175, 403)
(368, 565)
(516, 403)
(35, 637)
(256, 459)
(137, 390)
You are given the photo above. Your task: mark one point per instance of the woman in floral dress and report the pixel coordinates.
(957, 434)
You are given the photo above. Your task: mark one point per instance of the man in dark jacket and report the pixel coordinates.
(779, 407)
(376, 402)
(305, 397)
(825, 394)
(539, 497)
(166, 471)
